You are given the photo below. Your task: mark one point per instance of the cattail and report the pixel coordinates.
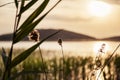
(60, 41)
(34, 35)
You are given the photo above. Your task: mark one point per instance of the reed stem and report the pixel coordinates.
(108, 61)
(43, 66)
(63, 60)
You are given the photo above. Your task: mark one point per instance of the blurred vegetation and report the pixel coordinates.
(75, 68)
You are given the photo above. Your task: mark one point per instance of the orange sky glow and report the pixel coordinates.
(73, 15)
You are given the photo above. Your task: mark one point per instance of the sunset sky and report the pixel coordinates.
(97, 18)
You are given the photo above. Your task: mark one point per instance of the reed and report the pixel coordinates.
(22, 30)
(74, 67)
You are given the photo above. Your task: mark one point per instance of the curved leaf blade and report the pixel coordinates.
(34, 15)
(26, 53)
(16, 3)
(28, 28)
(30, 4)
(22, 4)
(19, 36)
(4, 56)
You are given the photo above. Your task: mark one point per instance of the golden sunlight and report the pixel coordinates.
(99, 8)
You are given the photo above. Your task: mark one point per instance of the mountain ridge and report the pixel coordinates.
(114, 38)
(63, 34)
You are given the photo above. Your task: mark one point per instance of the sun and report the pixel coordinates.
(99, 8)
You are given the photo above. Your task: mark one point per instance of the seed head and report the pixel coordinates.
(34, 35)
(60, 41)
(102, 49)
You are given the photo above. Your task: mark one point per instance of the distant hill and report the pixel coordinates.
(115, 38)
(64, 34)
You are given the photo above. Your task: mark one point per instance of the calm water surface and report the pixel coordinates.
(84, 48)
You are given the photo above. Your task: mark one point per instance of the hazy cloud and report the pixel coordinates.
(116, 2)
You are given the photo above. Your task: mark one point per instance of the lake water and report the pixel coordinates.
(83, 48)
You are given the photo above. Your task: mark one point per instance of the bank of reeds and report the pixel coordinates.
(75, 68)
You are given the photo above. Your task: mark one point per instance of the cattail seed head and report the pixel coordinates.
(60, 41)
(34, 35)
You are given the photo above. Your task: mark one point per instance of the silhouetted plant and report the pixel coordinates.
(61, 45)
(22, 30)
(108, 61)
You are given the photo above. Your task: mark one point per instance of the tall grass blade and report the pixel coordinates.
(4, 56)
(10, 3)
(26, 53)
(22, 3)
(34, 15)
(16, 3)
(19, 17)
(28, 28)
(19, 36)
(31, 3)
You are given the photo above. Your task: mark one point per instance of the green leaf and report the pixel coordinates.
(26, 53)
(30, 4)
(19, 16)
(4, 56)
(20, 35)
(28, 28)
(22, 4)
(16, 3)
(29, 25)
(34, 15)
